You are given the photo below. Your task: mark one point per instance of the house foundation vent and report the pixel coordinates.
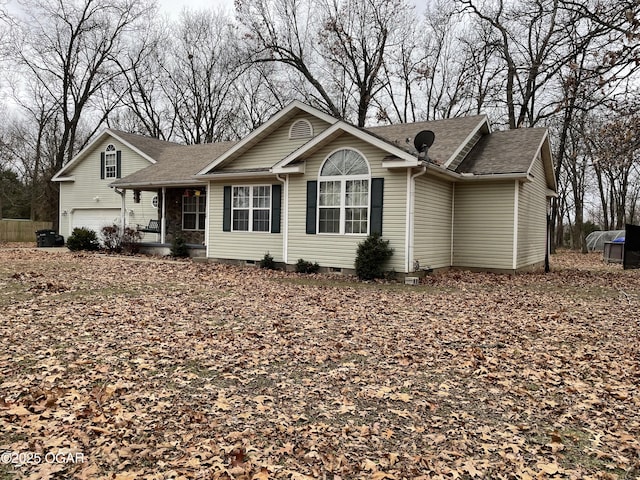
(411, 280)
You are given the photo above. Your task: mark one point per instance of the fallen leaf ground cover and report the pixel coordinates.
(130, 367)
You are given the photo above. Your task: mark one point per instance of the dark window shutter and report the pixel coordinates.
(226, 210)
(276, 204)
(102, 165)
(118, 164)
(377, 194)
(312, 196)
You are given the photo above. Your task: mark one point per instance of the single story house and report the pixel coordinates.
(307, 185)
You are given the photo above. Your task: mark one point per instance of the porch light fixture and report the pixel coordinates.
(198, 193)
(65, 213)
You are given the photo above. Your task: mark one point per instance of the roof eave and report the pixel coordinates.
(71, 178)
(157, 184)
(474, 177)
(290, 169)
(239, 175)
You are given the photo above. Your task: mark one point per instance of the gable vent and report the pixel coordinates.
(300, 129)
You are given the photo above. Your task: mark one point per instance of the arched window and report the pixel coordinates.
(343, 194)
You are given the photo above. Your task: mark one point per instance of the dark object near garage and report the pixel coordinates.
(49, 238)
(631, 247)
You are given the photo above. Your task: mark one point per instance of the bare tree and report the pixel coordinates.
(616, 160)
(199, 75)
(337, 47)
(146, 108)
(70, 49)
(68, 52)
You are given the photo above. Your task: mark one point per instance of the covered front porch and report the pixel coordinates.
(180, 213)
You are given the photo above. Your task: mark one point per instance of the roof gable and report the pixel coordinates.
(147, 147)
(262, 132)
(451, 136)
(335, 131)
(510, 152)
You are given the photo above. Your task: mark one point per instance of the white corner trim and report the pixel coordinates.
(516, 207)
(284, 217)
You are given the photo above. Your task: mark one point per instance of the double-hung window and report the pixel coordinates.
(110, 162)
(194, 212)
(343, 194)
(251, 208)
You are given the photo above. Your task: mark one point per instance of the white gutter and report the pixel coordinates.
(410, 227)
(284, 215)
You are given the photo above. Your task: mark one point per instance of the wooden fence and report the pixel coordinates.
(20, 230)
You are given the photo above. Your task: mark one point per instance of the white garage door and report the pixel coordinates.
(95, 218)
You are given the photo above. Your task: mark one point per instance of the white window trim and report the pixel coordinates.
(251, 208)
(199, 198)
(110, 154)
(343, 195)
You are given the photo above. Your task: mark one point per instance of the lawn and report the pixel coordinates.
(128, 367)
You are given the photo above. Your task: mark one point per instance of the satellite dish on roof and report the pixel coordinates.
(424, 140)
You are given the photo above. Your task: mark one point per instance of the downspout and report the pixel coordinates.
(163, 222)
(284, 214)
(410, 228)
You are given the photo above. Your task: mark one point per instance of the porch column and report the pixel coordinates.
(123, 209)
(163, 222)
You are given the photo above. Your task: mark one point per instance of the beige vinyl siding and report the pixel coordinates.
(82, 193)
(432, 231)
(276, 146)
(483, 225)
(240, 245)
(532, 218)
(339, 251)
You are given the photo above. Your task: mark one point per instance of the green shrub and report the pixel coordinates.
(83, 239)
(179, 247)
(267, 262)
(371, 257)
(307, 267)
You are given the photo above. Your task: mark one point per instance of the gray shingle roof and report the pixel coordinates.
(502, 152)
(153, 147)
(175, 163)
(450, 134)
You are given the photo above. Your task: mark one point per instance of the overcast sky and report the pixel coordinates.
(174, 7)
